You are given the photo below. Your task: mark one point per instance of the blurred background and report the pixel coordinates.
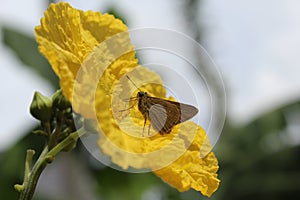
(256, 46)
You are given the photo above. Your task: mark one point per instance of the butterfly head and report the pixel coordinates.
(142, 94)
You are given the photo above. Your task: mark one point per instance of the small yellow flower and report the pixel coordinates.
(91, 53)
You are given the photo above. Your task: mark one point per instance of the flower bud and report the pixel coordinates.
(41, 107)
(60, 101)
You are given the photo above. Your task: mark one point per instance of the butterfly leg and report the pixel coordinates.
(149, 129)
(129, 99)
(145, 120)
(128, 108)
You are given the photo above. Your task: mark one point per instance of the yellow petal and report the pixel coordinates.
(193, 171)
(67, 36)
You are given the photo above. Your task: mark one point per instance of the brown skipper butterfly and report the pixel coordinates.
(163, 114)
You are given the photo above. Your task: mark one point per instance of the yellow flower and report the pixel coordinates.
(91, 53)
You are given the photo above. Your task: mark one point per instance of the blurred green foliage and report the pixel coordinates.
(26, 50)
(258, 161)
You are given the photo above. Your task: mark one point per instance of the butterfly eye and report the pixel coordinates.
(141, 94)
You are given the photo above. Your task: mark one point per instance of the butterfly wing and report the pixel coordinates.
(165, 114)
(187, 112)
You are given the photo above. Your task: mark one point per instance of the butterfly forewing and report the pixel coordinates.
(165, 114)
(187, 112)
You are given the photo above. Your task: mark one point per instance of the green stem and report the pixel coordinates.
(31, 177)
(53, 136)
(29, 184)
(48, 128)
(67, 141)
(28, 163)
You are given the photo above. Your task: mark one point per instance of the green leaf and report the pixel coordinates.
(26, 49)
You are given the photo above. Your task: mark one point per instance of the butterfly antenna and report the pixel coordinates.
(133, 83)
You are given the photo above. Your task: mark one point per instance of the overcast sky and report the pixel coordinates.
(254, 43)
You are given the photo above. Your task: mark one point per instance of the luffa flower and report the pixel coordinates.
(91, 53)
